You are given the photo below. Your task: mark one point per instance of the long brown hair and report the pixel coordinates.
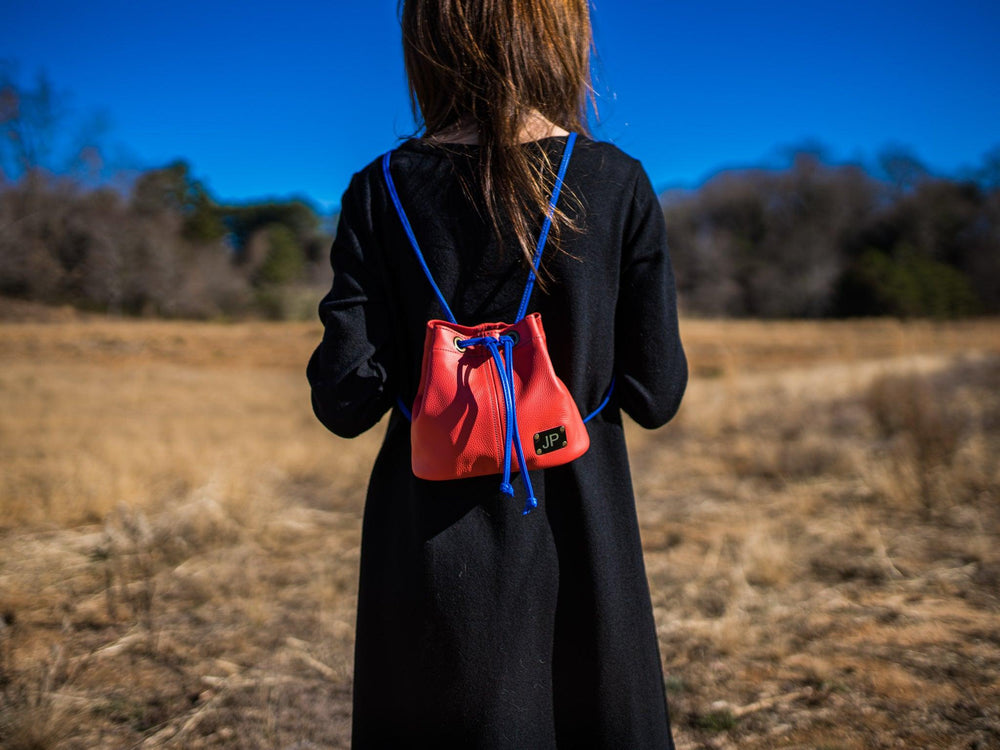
(490, 65)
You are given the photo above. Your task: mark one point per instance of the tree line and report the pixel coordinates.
(76, 229)
(166, 248)
(813, 239)
(822, 240)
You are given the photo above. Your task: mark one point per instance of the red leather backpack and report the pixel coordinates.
(489, 400)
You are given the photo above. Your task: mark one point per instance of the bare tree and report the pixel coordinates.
(29, 122)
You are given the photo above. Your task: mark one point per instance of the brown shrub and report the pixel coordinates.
(931, 430)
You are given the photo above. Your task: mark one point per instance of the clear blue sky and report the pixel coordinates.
(269, 99)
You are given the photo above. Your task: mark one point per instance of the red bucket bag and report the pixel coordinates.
(489, 400)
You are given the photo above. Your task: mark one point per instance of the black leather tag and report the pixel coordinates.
(550, 440)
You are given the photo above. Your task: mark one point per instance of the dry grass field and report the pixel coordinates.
(179, 537)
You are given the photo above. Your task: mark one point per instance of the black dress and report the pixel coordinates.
(480, 627)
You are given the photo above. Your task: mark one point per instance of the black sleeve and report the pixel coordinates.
(350, 371)
(651, 367)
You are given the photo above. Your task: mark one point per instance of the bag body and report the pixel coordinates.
(460, 417)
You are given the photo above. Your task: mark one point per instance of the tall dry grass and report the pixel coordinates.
(820, 525)
(146, 414)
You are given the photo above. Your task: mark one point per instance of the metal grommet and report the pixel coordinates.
(514, 335)
(457, 345)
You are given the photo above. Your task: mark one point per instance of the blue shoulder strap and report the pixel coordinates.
(545, 227)
(538, 250)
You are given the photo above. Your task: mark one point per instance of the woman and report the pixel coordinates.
(480, 627)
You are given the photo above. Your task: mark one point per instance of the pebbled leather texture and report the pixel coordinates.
(459, 417)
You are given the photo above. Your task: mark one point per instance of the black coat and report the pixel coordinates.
(480, 627)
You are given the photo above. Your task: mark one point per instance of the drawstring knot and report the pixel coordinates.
(512, 436)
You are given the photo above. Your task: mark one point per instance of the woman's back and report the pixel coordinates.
(479, 627)
(592, 327)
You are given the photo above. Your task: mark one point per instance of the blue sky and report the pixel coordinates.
(280, 100)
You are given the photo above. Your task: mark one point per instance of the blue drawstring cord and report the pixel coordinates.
(512, 434)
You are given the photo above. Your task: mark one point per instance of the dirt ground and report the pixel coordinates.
(179, 537)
